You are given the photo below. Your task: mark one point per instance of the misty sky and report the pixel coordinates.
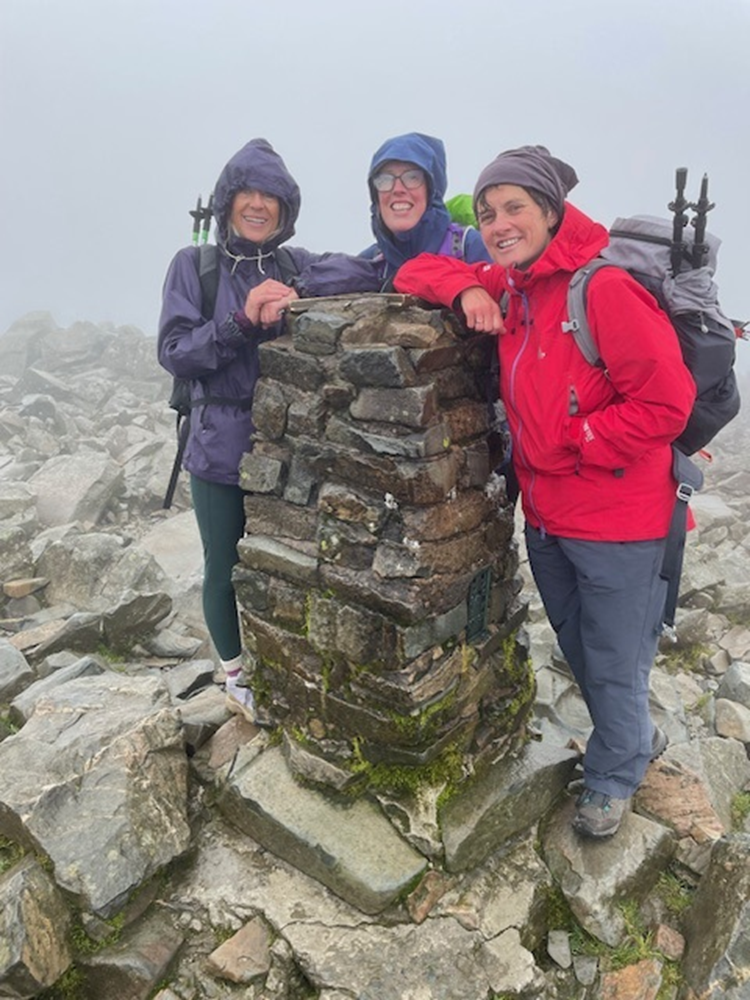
(116, 114)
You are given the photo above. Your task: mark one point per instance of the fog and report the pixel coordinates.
(115, 115)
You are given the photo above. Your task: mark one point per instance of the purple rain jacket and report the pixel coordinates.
(218, 356)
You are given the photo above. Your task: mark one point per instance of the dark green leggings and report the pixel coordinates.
(220, 514)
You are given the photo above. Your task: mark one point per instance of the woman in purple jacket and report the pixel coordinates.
(256, 204)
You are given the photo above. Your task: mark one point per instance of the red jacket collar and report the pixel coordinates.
(576, 242)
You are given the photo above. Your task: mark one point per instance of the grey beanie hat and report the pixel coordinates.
(529, 167)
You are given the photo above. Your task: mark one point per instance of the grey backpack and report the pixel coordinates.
(645, 247)
(642, 245)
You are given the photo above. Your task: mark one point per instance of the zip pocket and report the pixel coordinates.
(572, 401)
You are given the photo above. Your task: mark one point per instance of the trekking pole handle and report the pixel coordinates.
(208, 211)
(678, 207)
(702, 207)
(197, 214)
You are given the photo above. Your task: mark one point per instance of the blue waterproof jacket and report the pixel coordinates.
(431, 233)
(219, 357)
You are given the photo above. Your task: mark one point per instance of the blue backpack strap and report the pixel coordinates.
(578, 323)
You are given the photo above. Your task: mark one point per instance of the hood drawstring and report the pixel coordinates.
(259, 257)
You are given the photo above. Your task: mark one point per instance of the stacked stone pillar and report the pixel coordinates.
(377, 581)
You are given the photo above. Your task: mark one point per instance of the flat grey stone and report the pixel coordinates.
(558, 948)
(15, 672)
(735, 684)
(595, 875)
(76, 487)
(34, 927)
(717, 930)
(133, 966)
(352, 849)
(269, 555)
(507, 799)
(97, 779)
(26, 702)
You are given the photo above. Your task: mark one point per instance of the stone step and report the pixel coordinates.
(351, 848)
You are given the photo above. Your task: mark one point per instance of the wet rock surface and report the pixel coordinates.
(127, 864)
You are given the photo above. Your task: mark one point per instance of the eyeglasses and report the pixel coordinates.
(411, 179)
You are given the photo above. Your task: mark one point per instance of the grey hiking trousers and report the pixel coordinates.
(605, 601)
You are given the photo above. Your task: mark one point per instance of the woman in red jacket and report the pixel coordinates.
(591, 447)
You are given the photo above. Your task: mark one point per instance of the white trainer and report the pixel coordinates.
(240, 699)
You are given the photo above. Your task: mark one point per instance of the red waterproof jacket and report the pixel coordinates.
(591, 446)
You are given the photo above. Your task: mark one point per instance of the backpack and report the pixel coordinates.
(453, 245)
(649, 250)
(641, 245)
(180, 397)
(454, 241)
(461, 209)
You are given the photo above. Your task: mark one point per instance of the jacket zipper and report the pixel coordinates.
(512, 388)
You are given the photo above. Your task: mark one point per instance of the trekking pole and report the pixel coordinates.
(702, 207)
(207, 213)
(197, 214)
(678, 206)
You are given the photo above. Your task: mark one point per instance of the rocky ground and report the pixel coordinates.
(153, 846)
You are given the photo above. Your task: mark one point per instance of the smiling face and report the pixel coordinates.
(401, 208)
(514, 227)
(254, 215)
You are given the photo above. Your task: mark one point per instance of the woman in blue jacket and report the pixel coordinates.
(256, 204)
(408, 180)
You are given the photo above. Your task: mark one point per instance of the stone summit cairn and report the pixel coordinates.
(378, 592)
(377, 578)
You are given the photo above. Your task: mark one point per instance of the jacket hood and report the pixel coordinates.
(256, 165)
(428, 153)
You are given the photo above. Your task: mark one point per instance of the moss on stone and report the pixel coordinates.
(83, 944)
(740, 810)
(10, 854)
(298, 734)
(674, 891)
(445, 770)
(513, 708)
(68, 987)
(308, 613)
(423, 724)
(469, 657)
(681, 659)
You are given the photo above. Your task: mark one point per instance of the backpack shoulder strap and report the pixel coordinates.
(457, 243)
(578, 323)
(208, 273)
(464, 238)
(287, 265)
(454, 241)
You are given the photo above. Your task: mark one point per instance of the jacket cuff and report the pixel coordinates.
(242, 321)
(236, 326)
(298, 284)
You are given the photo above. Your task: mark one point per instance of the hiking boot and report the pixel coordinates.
(659, 743)
(598, 815)
(240, 700)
